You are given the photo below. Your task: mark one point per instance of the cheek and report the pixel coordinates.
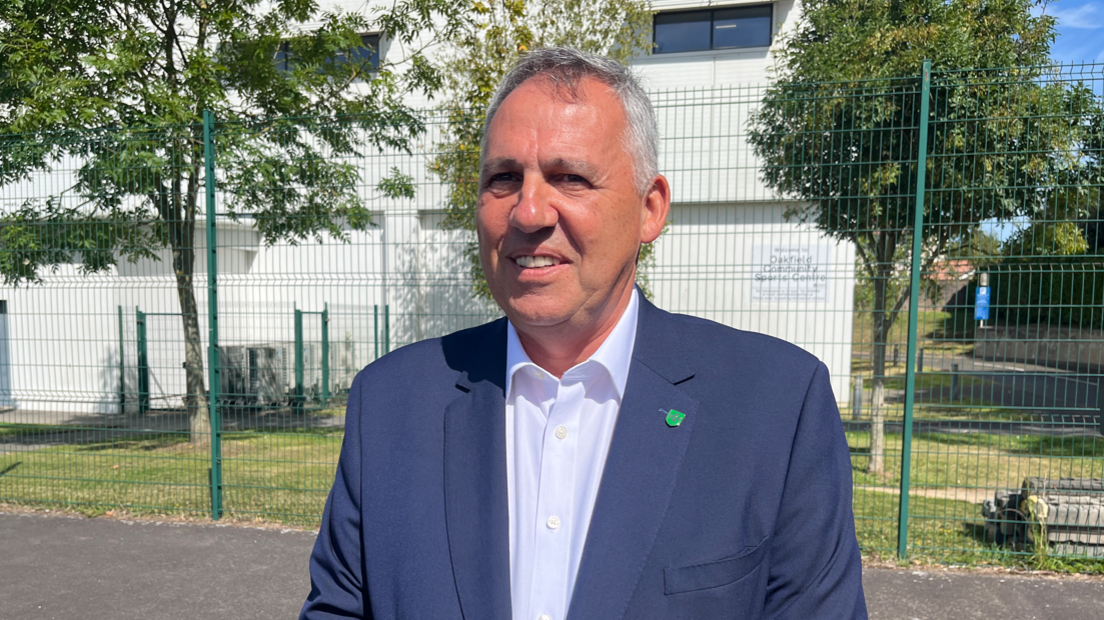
(611, 233)
(491, 227)
(488, 229)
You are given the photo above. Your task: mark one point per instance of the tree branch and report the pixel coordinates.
(865, 256)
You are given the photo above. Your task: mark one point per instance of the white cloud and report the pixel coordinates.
(1088, 16)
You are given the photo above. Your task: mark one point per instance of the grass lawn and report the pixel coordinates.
(284, 477)
(951, 473)
(948, 531)
(944, 523)
(979, 460)
(935, 330)
(278, 476)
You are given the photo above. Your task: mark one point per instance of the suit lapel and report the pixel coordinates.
(640, 473)
(476, 507)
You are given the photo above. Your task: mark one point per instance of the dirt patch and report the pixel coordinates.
(877, 562)
(974, 496)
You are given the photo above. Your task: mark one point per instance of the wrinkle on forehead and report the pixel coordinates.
(566, 88)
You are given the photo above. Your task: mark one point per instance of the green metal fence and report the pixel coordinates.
(137, 291)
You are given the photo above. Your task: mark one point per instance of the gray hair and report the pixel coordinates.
(565, 68)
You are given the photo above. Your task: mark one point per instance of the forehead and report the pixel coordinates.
(546, 112)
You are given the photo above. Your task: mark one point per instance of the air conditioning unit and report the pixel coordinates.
(252, 375)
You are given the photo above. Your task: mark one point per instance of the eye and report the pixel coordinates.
(574, 181)
(501, 177)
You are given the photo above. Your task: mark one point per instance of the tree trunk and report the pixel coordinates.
(199, 421)
(877, 363)
(182, 240)
(885, 250)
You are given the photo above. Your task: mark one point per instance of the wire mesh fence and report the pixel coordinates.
(169, 344)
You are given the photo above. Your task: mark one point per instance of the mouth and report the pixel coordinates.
(536, 262)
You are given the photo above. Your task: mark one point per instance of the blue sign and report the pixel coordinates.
(981, 304)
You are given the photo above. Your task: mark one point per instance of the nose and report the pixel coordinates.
(534, 210)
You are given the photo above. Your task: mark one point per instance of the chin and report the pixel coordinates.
(535, 313)
(535, 319)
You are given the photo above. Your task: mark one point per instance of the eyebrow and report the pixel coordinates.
(496, 164)
(506, 163)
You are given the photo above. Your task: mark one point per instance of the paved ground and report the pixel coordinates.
(1061, 403)
(1066, 402)
(58, 567)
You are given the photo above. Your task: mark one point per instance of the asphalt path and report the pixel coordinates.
(1024, 386)
(1060, 403)
(64, 567)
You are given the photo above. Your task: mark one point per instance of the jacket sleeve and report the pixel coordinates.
(337, 567)
(816, 568)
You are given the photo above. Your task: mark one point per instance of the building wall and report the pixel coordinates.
(65, 338)
(715, 261)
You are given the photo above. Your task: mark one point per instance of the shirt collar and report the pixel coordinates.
(615, 353)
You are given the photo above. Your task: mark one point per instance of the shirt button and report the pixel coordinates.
(544, 617)
(561, 432)
(540, 375)
(553, 522)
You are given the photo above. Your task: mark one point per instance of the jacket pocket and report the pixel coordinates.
(714, 574)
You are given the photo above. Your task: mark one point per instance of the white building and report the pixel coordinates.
(729, 255)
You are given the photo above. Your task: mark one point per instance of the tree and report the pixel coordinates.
(1049, 275)
(122, 85)
(1094, 232)
(845, 147)
(478, 59)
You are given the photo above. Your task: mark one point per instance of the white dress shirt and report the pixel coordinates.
(557, 437)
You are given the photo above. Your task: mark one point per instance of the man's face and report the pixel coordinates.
(560, 219)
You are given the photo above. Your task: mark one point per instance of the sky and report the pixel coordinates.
(1080, 30)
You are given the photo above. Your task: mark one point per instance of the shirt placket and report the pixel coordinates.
(555, 503)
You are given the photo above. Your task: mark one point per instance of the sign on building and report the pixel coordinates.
(790, 273)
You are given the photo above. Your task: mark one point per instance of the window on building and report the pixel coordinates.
(367, 51)
(713, 29)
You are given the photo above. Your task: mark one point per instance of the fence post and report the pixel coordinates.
(914, 311)
(299, 392)
(122, 364)
(956, 385)
(325, 354)
(1100, 401)
(857, 398)
(213, 370)
(143, 361)
(386, 329)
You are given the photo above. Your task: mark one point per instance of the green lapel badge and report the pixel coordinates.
(674, 418)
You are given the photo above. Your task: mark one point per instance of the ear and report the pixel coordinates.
(657, 205)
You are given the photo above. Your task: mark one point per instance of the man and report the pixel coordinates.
(590, 456)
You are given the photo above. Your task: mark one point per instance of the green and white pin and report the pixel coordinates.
(675, 417)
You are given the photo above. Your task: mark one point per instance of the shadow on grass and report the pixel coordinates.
(9, 468)
(976, 531)
(979, 440)
(1059, 446)
(146, 442)
(167, 428)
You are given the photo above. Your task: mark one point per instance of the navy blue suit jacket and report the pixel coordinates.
(742, 511)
